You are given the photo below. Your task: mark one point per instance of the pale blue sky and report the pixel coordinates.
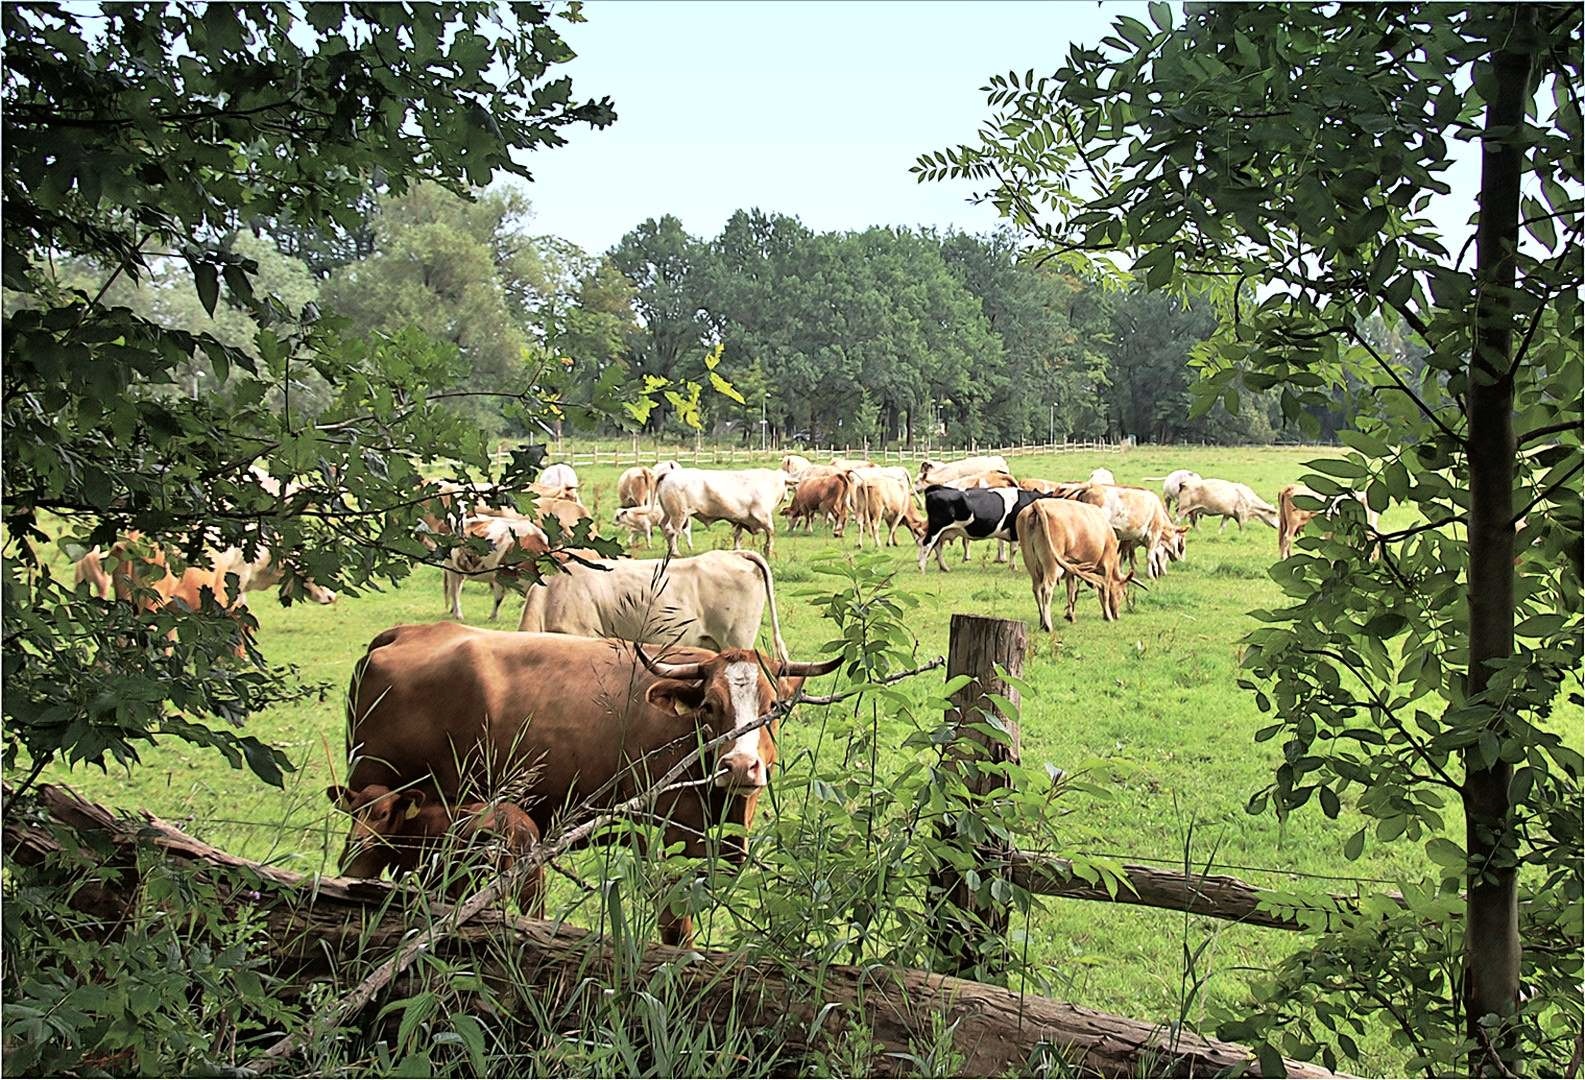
(809, 108)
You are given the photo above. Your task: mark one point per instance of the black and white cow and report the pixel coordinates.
(976, 514)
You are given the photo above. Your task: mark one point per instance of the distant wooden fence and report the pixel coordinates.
(647, 453)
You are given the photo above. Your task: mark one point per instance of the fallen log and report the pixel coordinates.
(317, 925)
(1213, 895)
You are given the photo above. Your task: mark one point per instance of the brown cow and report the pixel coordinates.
(1067, 539)
(143, 578)
(501, 534)
(820, 495)
(401, 830)
(1291, 520)
(589, 722)
(636, 487)
(879, 499)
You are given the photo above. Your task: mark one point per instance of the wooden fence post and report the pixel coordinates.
(977, 645)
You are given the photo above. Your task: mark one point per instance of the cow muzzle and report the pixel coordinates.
(741, 772)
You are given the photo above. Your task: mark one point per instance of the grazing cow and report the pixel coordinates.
(1291, 519)
(992, 478)
(715, 600)
(559, 477)
(1224, 499)
(401, 830)
(646, 519)
(143, 578)
(1102, 476)
(264, 572)
(941, 472)
(881, 498)
(979, 514)
(1174, 482)
(636, 487)
(794, 465)
(1139, 518)
(1064, 539)
(824, 496)
(501, 534)
(746, 498)
(583, 724)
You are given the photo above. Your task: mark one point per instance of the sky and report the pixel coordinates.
(815, 109)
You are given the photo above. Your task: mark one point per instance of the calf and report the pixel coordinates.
(1068, 540)
(646, 519)
(825, 496)
(401, 830)
(978, 514)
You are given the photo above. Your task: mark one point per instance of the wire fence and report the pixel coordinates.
(334, 825)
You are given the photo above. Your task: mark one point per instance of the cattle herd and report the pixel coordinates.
(623, 668)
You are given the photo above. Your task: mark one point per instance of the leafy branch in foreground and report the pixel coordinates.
(1290, 161)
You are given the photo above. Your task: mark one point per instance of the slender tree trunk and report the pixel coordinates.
(1491, 938)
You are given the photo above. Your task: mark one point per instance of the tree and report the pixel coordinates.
(661, 260)
(1300, 150)
(450, 266)
(148, 132)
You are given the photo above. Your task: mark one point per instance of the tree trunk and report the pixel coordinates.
(318, 926)
(977, 645)
(1491, 935)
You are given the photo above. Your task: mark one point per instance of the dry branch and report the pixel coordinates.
(315, 925)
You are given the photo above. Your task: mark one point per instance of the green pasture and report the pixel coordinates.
(1155, 690)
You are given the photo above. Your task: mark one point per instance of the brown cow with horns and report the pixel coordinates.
(584, 723)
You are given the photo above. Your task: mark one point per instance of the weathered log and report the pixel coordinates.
(1213, 895)
(316, 924)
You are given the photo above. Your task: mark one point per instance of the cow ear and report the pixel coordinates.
(339, 796)
(414, 801)
(680, 696)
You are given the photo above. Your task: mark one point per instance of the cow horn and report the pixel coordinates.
(665, 670)
(797, 669)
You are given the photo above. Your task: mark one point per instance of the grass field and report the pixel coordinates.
(1156, 690)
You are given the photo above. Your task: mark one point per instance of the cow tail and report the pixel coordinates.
(770, 597)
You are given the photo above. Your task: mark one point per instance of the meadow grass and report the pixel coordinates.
(1155, 691)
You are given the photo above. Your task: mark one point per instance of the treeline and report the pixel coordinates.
(885, 335)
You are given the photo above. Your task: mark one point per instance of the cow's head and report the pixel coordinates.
(381, 818)
(725, 692)
(926, 467)
(1177, 538)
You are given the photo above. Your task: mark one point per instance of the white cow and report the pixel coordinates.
(941, 472)
(1224, 499)
(714, 601)
(746, 498)
(880, 497)
(1173, 484)
(794, 465)
(646, 519)
(560, 476)
(1102, 476)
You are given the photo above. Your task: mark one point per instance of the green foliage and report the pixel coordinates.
(144, 143)
(179, 989)
(1299, 152)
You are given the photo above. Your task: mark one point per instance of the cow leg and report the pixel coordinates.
(499, 593)
(1043, 587)
(924, 551)
(454, 594)
(1073, 597)
(965, 548)
(770, 541)
(687, 532)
